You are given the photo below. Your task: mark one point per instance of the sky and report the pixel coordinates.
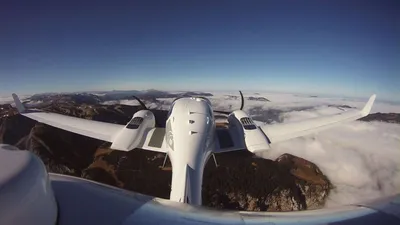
(349, 48)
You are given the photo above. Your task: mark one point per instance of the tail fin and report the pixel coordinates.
(18, 103)
(367, 108)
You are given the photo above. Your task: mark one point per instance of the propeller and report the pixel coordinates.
(159, 119)
(241, 105)
(140, 102)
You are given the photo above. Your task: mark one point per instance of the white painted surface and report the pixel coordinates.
(26, 196)
(127, 139)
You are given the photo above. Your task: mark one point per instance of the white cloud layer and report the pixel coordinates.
(362, 159)
(287, 102)
(8, 99)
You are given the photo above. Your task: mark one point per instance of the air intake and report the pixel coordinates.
(135, 123)
(248, 123)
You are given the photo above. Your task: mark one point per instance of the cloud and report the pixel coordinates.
(362, 159)
(5, 99)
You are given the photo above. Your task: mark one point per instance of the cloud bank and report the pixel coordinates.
(362, 159)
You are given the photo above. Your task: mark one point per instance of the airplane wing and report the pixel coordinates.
(285, 131)
(95, 129)
(229, 140)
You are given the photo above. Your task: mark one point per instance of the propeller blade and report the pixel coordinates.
(140, 102)
(158, 123)
(241, 96)
(241, 105)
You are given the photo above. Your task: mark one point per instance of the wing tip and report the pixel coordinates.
(20, 107)
(367, 108)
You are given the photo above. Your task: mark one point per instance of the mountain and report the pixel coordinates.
(383, 117)
(99, 97)
(261, 99)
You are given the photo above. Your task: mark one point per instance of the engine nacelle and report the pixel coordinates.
(134, 132)
(255, 140)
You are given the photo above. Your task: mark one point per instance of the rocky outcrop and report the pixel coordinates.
(383, 117)
(61, 151)
(245, 182)
(241, 181)
(260, 99)
(313, 184)
(6, 110)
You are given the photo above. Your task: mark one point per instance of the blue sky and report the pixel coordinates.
(331, 47)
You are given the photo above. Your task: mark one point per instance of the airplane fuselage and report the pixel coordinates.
(189, 134)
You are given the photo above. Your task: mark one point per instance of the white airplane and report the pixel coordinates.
(190, 136)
